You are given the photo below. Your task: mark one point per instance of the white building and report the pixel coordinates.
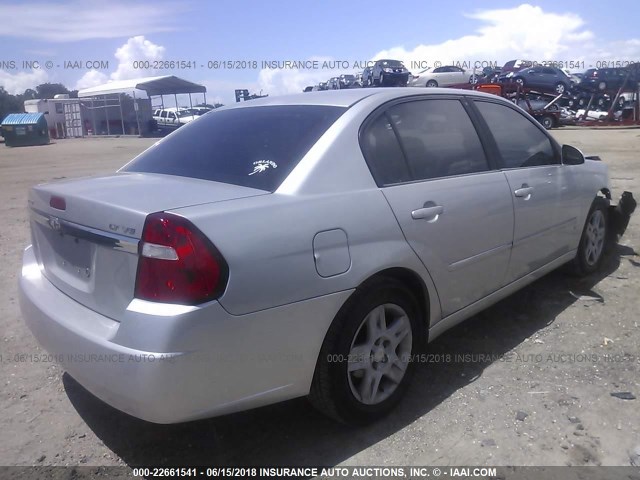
(63, 115)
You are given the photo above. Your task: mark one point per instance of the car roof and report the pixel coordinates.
(347, 98)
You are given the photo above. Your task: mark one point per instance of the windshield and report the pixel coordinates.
(254, 147)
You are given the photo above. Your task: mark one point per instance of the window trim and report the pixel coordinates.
(382, 110)
(555, 147)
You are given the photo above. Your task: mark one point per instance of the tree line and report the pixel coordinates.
(15, 103)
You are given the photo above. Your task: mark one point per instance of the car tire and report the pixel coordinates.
(602, 86)
(365, 366)
(381, 81)
(603, 102)
(548, 122)
(519, 81)
(431, 84)
(595, 240)
(560, 88)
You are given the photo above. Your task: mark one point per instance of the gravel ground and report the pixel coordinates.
(527, 382)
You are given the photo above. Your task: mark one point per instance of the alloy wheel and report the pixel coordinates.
(595, 237)
(379, 354)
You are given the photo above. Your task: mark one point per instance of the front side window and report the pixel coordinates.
(520, 142)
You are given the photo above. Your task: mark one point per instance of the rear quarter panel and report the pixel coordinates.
(268, 245)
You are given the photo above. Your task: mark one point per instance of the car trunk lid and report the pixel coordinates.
(88, 246)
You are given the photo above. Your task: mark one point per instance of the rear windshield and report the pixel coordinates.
(254, 147)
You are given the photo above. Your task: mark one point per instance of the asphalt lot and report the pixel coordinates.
(566, 344)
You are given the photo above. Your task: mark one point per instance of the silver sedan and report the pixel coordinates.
(304, 245)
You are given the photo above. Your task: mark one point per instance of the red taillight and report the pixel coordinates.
(177, 263)
(59, 203)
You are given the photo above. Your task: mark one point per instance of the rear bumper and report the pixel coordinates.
(171, 365)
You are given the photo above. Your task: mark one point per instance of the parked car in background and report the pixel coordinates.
(172, 117)
(333, 83)
(515, 66)
(347, 81)
(347, 230)
(609, 78)
(308, 89)
(489, 75)
(547, 79)
(389, 73)
(441, 77)
(367, 81)
(197, 111)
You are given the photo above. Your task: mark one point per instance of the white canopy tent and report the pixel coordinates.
(152, 86)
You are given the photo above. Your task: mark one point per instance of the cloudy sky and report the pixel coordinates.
(86, 43)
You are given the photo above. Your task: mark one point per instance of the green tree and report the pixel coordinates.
(49, 90)
(9, 103)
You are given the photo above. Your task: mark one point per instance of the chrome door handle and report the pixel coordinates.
(429, 214)
(524, 191)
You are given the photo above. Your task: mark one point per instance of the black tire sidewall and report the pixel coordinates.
(583, 267)
(349, 408)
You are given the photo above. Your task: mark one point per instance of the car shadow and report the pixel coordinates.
(293, 433)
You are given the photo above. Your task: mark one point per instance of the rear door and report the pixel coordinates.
(454, 210)
(540, 187)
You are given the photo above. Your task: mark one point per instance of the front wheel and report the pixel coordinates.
(560, 88)
(594, 240)
(365, 362)
(432, 83)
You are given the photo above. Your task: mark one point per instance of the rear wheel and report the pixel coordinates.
(365, 363)
(560, 87)
(432, 83)
(594, 240)
(547, 122)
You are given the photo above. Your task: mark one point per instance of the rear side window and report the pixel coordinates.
(254, 147)
(383, 154)
(438, 139)
(520, 142)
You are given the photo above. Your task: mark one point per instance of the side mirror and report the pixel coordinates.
(571, 155)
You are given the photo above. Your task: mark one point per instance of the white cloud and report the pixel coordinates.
(91, 79)
(525, 31)
(17, 83)
(134, 49)
(137, 48)
(85, 19)
(506, 34)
